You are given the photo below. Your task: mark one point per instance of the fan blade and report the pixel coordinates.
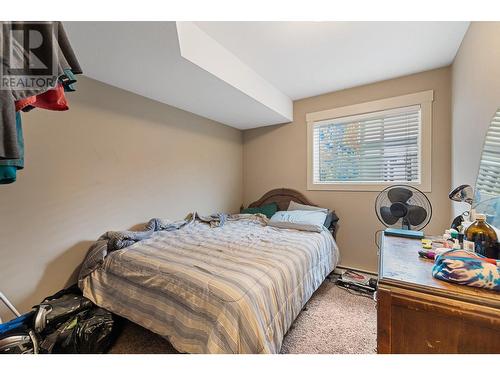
(399, 194)
(387, 216)
(416, 215)
(399, 209)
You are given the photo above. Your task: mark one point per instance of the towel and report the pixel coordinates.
(467, 268)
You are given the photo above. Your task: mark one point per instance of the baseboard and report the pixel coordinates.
(357, 269)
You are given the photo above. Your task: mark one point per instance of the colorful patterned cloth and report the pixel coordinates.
(467, 268)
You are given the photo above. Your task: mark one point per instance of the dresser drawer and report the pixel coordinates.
(419, 314)
(411, 322)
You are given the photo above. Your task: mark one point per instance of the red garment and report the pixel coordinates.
(52, 99)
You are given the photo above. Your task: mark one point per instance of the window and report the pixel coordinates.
(371, 145)
(488, 183)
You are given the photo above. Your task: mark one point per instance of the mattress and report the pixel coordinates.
(230, 289)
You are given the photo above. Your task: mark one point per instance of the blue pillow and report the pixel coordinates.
(311, 221)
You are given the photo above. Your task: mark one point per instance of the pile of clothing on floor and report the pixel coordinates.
(16, 98)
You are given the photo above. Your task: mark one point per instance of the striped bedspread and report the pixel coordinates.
(231, 289)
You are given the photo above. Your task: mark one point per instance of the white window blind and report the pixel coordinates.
(377, 147)
(488, 180)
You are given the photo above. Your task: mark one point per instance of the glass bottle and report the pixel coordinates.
(482, 238)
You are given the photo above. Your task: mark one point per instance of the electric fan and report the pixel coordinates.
(405, 210)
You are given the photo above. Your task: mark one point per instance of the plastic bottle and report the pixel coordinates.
(482, 238)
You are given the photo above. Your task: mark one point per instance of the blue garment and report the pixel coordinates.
(9, 168)
(19, 322)
(467, 268)
(68, 81)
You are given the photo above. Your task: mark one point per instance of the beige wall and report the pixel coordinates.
(113, 160)
(475, 98)
(276, 157)
(116, 159)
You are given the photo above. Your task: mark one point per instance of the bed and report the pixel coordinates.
(230, 289)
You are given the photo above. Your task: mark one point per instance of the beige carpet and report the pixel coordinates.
(335, 322)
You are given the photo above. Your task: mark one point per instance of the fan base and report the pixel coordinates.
(404, 233)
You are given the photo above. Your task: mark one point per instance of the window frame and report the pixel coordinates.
(483, 179)
(424, 99)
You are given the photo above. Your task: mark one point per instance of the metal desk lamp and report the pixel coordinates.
(462, 193)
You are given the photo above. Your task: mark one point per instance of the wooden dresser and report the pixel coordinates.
(419, 314)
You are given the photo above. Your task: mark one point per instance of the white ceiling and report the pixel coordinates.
(304, 59)
(246, 74)
(144, 58)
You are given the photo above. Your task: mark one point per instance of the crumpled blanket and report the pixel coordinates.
(115, 240)
(467, 268)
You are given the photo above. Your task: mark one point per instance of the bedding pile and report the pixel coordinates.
(115, 240)
(231, 288)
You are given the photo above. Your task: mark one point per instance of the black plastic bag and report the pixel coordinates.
(89, 332)
(54, 311)
(67, 322)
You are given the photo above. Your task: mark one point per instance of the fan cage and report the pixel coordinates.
(418, 199)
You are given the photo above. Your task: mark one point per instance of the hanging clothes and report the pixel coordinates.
(50, 97)
(53, 100)
(64, 56)
(8, 134)
(9, 168)
(65, 61)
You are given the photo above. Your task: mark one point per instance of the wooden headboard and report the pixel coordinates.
(282, 198)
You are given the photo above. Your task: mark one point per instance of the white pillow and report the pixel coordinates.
(307, 220)
(294, 206)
